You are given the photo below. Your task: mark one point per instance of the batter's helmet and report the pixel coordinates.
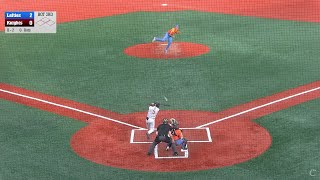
(157, 104)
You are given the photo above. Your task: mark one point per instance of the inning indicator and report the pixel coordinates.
(30, 22)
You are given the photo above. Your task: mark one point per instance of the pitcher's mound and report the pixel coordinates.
(156, 50)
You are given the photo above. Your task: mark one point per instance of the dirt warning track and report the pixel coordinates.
(75, 10)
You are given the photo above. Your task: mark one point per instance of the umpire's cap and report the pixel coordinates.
(165, 121)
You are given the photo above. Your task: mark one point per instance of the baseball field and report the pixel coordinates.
(241, 77)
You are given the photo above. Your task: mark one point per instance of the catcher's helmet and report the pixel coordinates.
(165, 121)
(174, 121)
(157, 104)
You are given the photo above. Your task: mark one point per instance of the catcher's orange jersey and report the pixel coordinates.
(173, 31)
(177, 134)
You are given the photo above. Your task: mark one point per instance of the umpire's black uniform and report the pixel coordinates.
(163, 136)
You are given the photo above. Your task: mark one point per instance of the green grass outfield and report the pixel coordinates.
(250, 58)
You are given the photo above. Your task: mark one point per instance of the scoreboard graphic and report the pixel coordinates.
(30, 22)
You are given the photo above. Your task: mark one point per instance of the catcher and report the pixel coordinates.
(177, 136)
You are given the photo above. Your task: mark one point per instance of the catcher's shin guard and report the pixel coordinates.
(184, 144)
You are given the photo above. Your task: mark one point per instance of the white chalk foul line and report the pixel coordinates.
(258, 107)
(189, 141)
(70, 108)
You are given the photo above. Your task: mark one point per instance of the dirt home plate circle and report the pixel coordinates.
(234, 141)
(106, 138)
(177, 50)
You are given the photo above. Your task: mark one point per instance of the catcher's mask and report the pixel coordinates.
(174, 121)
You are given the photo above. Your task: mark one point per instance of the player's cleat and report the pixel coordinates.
(175, 154)
(148, 153)
(184, 148)
(167, 148)
(166, 51)
(154, 39)
(148, 136)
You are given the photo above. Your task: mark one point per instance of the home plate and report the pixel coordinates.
(161, 153)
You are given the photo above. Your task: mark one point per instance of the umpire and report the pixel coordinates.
(163, 135)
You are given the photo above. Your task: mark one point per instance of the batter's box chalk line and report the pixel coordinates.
(186, 132)
(156, 154)
(194, 135)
